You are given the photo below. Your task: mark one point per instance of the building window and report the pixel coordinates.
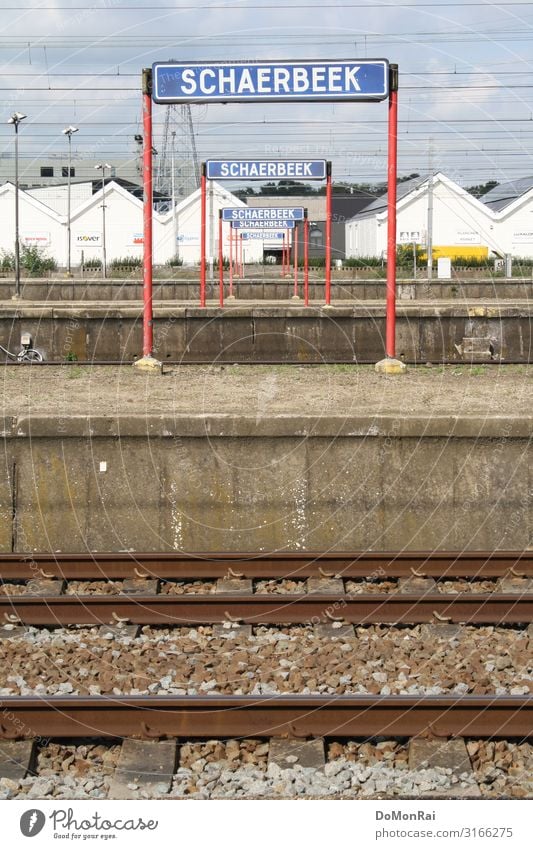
(47, 171)
(64, 171)
(315, 238)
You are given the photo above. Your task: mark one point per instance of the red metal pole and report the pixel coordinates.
(328, 233)
(240, 255)
(390, 342)
(283, 257)
(148, 318)
(230, 261)
(295, 243)
(203, 217)
(220, 261)
(306, 260)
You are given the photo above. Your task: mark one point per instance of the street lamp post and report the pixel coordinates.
(68, 131)
(101, 167)
(15, 119)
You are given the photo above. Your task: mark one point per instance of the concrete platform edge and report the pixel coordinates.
(425, 426)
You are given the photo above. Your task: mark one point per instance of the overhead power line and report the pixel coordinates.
(278, 6)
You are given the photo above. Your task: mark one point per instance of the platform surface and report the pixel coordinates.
(258, 394)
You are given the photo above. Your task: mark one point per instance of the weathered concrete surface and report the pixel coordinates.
(230, 482)
(280, 332)
(267, 285)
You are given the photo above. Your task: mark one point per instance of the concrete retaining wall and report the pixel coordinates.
(252, 334)
(235, 483)
(269, 288)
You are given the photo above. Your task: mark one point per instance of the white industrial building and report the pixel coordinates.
(462, 224)
(43, 222)
(512, 205)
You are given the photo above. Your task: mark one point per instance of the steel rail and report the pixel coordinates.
(259, 608)
(265, 716)
(348, 564)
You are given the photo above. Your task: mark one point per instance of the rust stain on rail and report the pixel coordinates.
(193, 566)
(266, 716)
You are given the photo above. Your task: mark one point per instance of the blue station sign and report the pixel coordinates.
(267, 237)
(274, 224)
(225, 82)
(266, 169)
(259, 214)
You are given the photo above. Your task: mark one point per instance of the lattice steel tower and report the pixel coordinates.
(178, 146)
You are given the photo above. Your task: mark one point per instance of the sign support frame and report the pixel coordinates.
(203, 222)
(295, 295)
(306, 260)
(147, 362)
(390, 365)
(328, 236)
(220, 261)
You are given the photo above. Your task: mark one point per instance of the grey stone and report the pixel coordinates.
(148, 764)
(328, 629)
(16, 758)
(309, 753)
(446, 754)
(325, 586)
(234, 586)
(45, 587)
(414, 585)
(233, 632)
(140, 586)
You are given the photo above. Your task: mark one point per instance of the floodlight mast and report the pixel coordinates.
(68, 132)
(15, 119)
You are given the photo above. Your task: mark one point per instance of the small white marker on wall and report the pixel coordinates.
(103, 465)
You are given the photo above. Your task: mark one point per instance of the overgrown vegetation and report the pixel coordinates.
(175, 262)
(93, 262)
(126, 262)
(33, 260)
(363, 262)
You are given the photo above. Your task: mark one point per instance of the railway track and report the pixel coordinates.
(152, 717)
(183, 567)
(262, 609)
(44, 603)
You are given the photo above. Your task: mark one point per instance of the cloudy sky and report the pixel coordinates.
(466, 84)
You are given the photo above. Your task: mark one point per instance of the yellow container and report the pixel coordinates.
(460, 252)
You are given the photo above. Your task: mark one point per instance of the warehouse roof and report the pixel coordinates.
(505, 193)
(380, 204)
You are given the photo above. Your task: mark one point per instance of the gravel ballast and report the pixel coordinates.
(238, 769)
(183, 661)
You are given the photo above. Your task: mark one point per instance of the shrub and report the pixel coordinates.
(175, 261)
(127, 262)
(93, 262)
(363, 262)
(7, 262)
(35, 260)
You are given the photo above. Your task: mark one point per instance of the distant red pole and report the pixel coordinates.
(283, 257)
(328, 233)
(240, 255)
(295, 243)
(220, 261)
(306, 260)
(203, 217)
(148, 318)
(230, 261)
(390, 342)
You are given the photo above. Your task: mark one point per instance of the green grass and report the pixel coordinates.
(76, 371)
